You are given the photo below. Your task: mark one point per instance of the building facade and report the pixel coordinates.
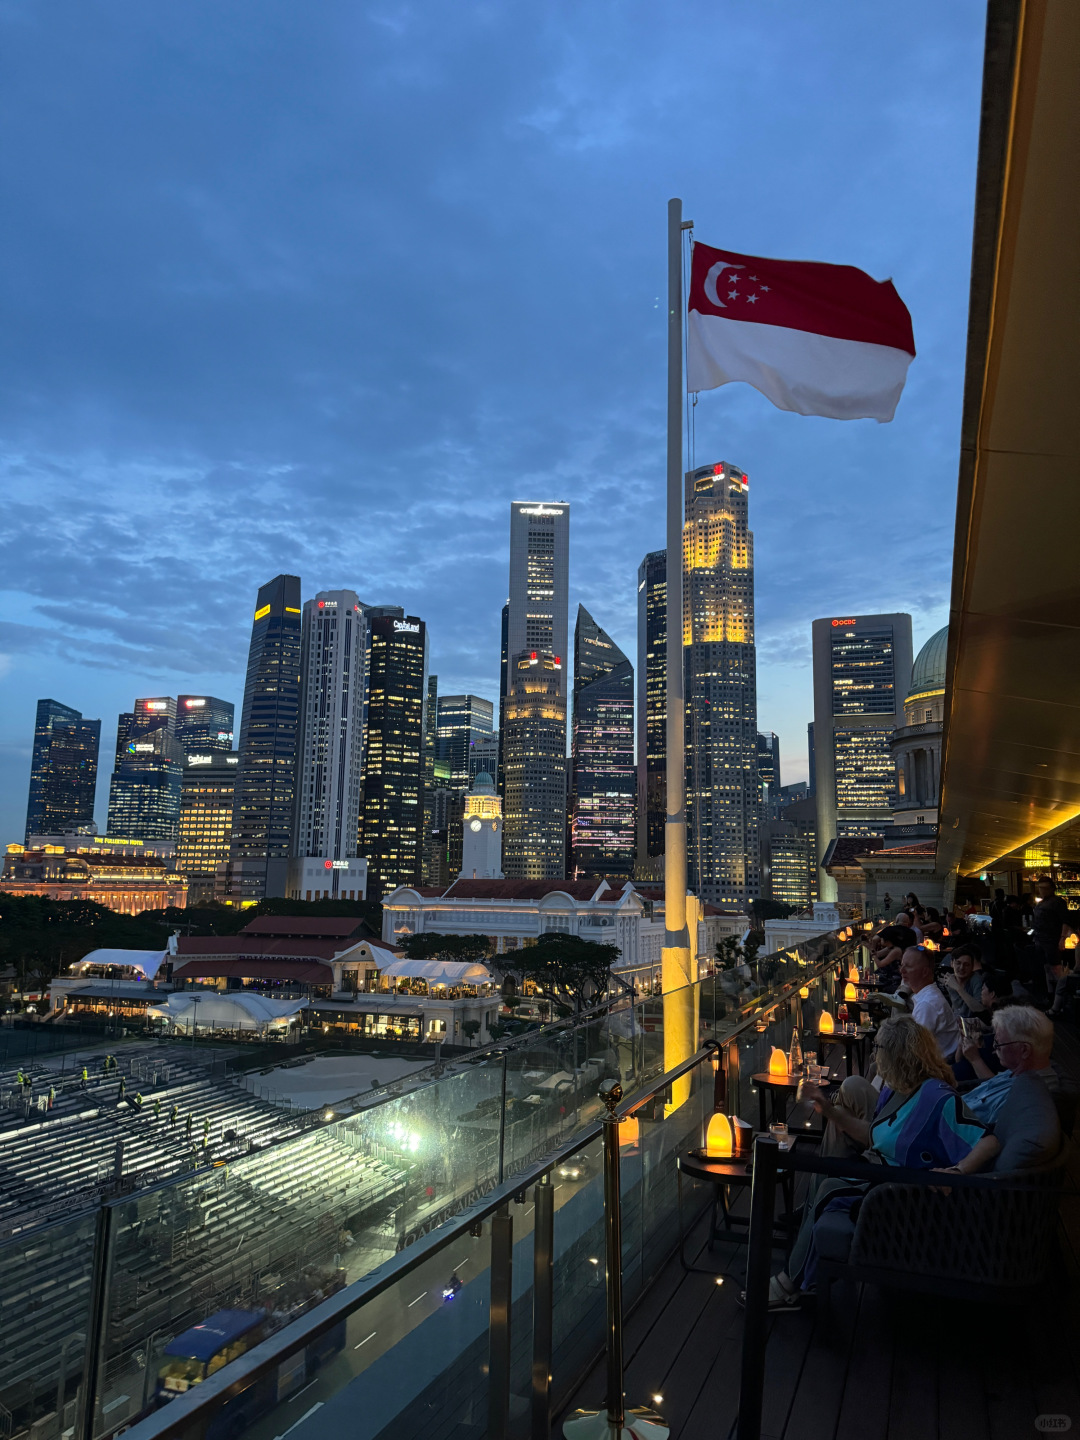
(537, 611)
(603, 778)
(462, 721)
(721, 687)
(861, 666)
(63, 770)
(144, 792)
(265, 799)
(484, 755)
(330, 746)
(534, 765)
(916, 745)
(768, 765)
(203, 722)
(482, 827)
(392, 838)
(207, 796)
(652, 704)
(127, 878)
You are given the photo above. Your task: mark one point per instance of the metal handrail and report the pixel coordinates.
(175, 1421)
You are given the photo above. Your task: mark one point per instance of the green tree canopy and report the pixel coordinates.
(433, 945)
(565, 969)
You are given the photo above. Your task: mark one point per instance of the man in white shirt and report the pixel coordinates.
(928, 1004)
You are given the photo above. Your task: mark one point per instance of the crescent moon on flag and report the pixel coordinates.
(711, 278)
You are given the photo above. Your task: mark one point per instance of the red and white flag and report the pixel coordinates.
(816, 339)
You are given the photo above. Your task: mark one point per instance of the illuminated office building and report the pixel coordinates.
(862, 664)
(63, 770)
(504, 665)
(266, 784)
(392, 831)
(652, 704)
(204, 723)
(768, 764)
(534, 761)
(603, 780)
(207, 793)
(330, 747)
(483, 755)
(462, 719)
(722, 806)
(144, 793)
(536, 626)
(429, 861)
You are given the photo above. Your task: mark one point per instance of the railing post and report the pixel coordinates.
(502, 1122)
(543, 1299)
(611, 1424)
(758, 1264)
(502, 1259)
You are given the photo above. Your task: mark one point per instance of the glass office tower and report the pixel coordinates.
(63, 770)
(862, 666)
(534, 761)
(652, 704)
(269, 722)
(462, 719)
(144, 793)
(722, 804)
(204, 723)
(392, 837)
(768, 764)
(603, 781)
(207, 794)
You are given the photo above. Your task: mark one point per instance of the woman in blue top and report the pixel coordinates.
(918, 1122)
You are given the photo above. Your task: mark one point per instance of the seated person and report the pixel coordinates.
(928, 1004)
(906, 919)
(886, 951)
(964, 985)
(1023, 1040)
(918, 1122)
(1066, 966)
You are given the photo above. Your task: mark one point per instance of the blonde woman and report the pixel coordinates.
(919, 1123)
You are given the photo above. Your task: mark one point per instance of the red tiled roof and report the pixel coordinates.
(341, 927)
(308, 972)
(520, 889)
(257, 947)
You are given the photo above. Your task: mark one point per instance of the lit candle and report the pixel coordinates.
(826, 1025)
(778, 1064)
(850, 993)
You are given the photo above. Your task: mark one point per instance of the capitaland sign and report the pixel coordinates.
(405, 627)
(200, 759)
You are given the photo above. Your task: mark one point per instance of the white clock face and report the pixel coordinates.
(475, 825)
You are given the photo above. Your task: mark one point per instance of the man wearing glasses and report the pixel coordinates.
(1023, 1040)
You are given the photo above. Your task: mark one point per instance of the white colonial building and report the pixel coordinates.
(515, 913)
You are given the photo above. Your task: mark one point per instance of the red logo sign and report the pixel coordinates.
(328, 864)
(843, 622)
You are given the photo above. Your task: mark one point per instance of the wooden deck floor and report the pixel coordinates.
(876, 1365)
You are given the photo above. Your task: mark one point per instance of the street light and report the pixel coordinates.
(194, 1018)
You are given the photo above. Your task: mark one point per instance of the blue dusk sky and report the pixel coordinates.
(322, 288)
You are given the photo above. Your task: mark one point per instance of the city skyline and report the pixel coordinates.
(184, 353)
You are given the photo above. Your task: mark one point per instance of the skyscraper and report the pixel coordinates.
(811, 779)
(652, 703)
(721, 687)
(63, 770)
(144, 793)
(483, 755)
(429, 861)
(603, 775)
(461, 720)
(534, 761)
(266, 784)
(392, 835)
(330, 748)
(768, 764)
(207, 792)
(536, 621)
(862, 664)
(504, 666)
(204, 723)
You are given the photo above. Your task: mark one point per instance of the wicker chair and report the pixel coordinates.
(994, 1239)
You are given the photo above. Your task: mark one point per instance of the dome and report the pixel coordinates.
(928, 672)
(483, 783)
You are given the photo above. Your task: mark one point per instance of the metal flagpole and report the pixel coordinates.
(679, 1000)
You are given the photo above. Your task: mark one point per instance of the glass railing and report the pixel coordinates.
(318, 1220)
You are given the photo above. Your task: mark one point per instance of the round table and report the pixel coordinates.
(854, 1047)
(778, 1087)
(725, 1175)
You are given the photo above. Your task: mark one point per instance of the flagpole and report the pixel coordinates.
(680, 1006)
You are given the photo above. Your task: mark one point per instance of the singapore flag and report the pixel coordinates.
(816, 339)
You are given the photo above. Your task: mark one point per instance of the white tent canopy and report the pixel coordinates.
(147, 962)
(229, 1010)
(438, 972)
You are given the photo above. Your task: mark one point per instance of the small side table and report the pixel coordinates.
(779, 1088)
(854, 1049)
(724, 1176)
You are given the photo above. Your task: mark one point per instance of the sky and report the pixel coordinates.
(322, 288)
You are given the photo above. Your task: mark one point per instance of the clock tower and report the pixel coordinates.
(481, 840)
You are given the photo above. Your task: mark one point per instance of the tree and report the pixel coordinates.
(567, 971)
(431, 945)
(470, 1028)
(762, 910)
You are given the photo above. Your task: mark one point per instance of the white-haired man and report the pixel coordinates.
(1023, 1040)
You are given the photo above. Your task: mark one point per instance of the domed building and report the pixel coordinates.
(916, 745)
(482, 827)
